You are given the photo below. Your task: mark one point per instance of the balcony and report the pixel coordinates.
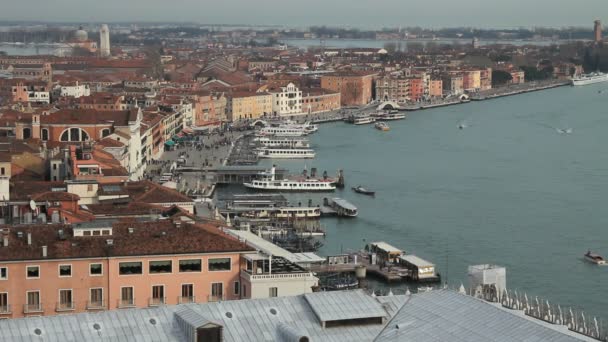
(126, 303)
(32, 308)
(157, 301)
(96, 305)
(215, 298)
(186, 300)
(66, 306)
(5, 309)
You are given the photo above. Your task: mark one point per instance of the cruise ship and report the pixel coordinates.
(286, 153)
(296, 142)
(592, 78)
(267, 181)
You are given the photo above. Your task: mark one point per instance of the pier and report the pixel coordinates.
(236, 174)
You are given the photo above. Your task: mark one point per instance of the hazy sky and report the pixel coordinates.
(358, 13)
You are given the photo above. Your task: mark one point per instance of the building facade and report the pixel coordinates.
(355, 87)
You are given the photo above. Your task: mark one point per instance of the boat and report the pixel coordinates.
(341, 207)
(286, 153)
(294, 142)
(307, 126)
(382, 126)
(267, 181)
(595, 258)
(282, 132)
(393, 116)
(592, 78)
(363, 120)
(361, 190)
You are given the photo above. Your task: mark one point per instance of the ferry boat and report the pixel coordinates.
(268, 181)
(382, 126)
(286, 153)
(585, 79)
(363, 120)
(285, 213)
(342, 207)
(282, 132)
(296, 142)
(393, 116)
(595, 258)
(307, 126)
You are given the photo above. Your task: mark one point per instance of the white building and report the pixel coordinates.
(286, 100)
(76, 90)
(39, 96)
(104, 44)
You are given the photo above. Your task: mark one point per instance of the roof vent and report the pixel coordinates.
(131, 230)
(273, 311)
(37, 331)
(152, 321)
(20, 235)
(110, 242)
(229, 314)
(96, 326)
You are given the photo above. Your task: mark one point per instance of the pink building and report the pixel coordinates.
(54, 269)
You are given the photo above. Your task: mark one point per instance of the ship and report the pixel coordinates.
(286, 153)
(267, 181)
(585, 79)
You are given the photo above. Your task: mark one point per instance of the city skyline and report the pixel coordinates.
(385, 13)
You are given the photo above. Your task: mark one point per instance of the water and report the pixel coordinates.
(509, 189)
(403, 44)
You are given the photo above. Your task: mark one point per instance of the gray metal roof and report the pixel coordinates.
(342, 305)
(417, 261)
(446, 315)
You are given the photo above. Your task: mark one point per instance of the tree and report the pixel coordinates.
(500, 77)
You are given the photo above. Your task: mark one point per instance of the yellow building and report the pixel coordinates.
(248, 105)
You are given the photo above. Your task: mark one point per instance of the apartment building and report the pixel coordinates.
(88, 267)
(355, 87)
(248, 105)
(286, 100)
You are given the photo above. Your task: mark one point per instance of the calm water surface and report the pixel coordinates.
(509, 189)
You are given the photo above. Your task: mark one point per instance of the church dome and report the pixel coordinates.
(81, 35)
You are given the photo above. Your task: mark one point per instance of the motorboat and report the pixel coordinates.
(382, 126)
(361, 190)
(363, 120)
(595, 258)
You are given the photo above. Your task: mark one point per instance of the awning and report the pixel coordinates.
(170, 143)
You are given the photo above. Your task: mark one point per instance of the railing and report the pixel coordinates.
(157, 301)
(215, 298)
(30, 308)
(126, 303)
(96, 305)
(66, 306)
(186, 300)
(266, 276)
(5, 309)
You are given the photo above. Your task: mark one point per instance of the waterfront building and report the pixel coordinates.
(436, 88)
(104, 41)
(318, 100)
(393, 88)
(597, 31)
(417, 88)
(286, 100)
(248, 105)
(471, 80)
(355, 87)
(453, 83)
(88, 267)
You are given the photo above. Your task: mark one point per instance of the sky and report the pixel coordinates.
(352, 13)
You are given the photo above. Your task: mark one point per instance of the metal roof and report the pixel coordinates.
(307, 257)
(343, 305)
(446, 315)
(417, 261)
(344, 203)
(386, 247)
(261, 244)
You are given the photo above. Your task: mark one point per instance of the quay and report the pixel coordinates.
(525, 88)
(239, 174)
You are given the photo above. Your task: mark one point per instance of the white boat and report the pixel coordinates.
(363, 120)
(307, 126)
(595, 258)
(286, 153)
(393, 116)
(382, 126)
(283, 142)
(267, 181)
(282, 132)
(585, 79)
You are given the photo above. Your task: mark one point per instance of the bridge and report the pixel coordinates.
(389, 105)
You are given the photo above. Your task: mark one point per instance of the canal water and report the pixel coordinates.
(509, 189)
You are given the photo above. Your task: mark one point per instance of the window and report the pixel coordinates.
(33, 272)
(158, 295)
(126, 297)
(217, 292)
(4, 303)
(27, 133)
(2, 171)
(45, 134)
(33, 301)
(237, 288)
(3, 273)
(65, 300)
(244, 290)
(96, 298)
(96, 269)
(187, 294)
(160, 266)
(65, 270)
(273, 292)
(127, 268)
(221, 264)
(190, 265)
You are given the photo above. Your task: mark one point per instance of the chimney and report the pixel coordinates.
(44, 251)
(5, 242)
(29, 239)
(110, 242)
(131, 230)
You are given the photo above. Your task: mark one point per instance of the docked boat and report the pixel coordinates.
(361, 190)
(592, 78)
(268, 181)
(382, 126)
(282, 132)
(595, 258)
(393, 116)
(341, 207)
(286, 153)
(307, 126)
(363, 120)
(295, 142)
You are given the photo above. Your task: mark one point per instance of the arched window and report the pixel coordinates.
(45, 134)
(105, 132)
(74, 134)
(27, 133)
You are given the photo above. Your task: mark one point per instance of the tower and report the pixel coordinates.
(104, 41)
(597, 31)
